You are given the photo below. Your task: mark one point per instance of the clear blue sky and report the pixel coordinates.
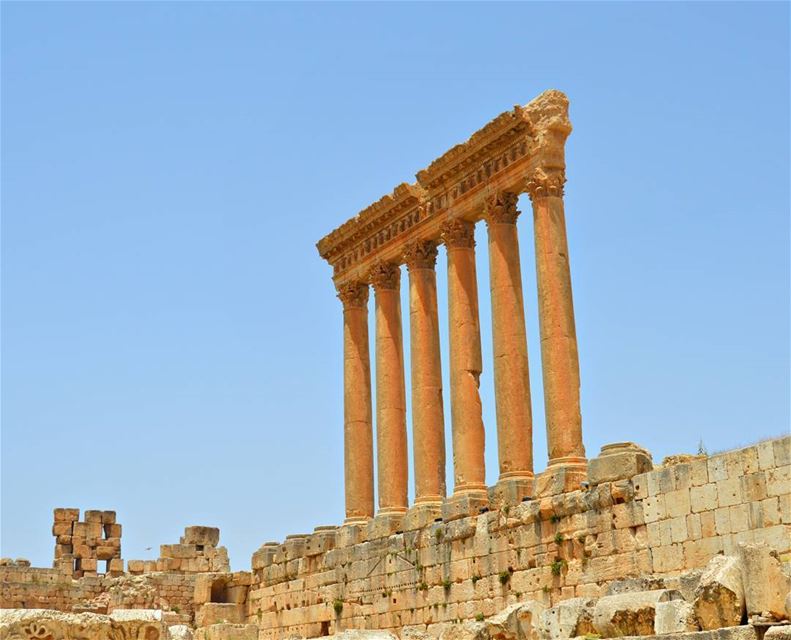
(171, 339)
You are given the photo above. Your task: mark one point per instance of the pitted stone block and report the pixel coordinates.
(618, 461)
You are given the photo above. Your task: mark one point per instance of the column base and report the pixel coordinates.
(352, 532)
(422, 514)
(468, 502)
(562, 476)
(385, 524)
(509, 492)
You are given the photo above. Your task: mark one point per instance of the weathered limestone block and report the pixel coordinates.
(519, 621)
(688, 582)
(218, 613)
(180, 632)
(360, 634)
(568, 619)
(675, 616)
(630, 614)
(765, 584)
(778, 632)
(719, 597)
(618, 461)
(66, 515)
(207, 536)
(465, 631)
(227, 632)
(45, 624)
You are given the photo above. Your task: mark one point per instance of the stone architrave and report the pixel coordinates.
(357, 429)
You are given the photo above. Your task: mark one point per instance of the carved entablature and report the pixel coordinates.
(373, 228)
(501, 158)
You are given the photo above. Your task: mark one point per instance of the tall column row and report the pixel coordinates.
(560, 370)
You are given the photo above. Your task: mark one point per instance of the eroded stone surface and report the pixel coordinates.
(719, 596)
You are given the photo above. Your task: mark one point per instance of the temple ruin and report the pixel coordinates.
(695, 547)
(521, 151)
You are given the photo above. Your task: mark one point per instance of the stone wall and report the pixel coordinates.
(657, 523)
(35, 588)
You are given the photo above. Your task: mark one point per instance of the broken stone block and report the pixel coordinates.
(618, 461)
(568, 619)
(719, 596)
(687, 582)
(630, 614)
(45, 623)
(180, 632)
(519, 621)
(675, 616)
(360, 634)
(765, 584)
(205, 536)
(465, 631)
(778, 632)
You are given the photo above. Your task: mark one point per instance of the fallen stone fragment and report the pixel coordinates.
(630, 614)
(719, 596)
(765, 584)
(465, 631)
(518, 621)
(778, 632)
(180, 632)
(675, 616)
(568, 619)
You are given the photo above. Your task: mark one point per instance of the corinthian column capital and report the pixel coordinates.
(385, 275)
(420, 254)
(458, 233)
(545, 182)
(353, 295)
(501, 208)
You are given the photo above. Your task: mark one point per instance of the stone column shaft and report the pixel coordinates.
(559, 358)
(465, 359)
(511, 375)
(428, 420)
(357, 431)
(391, 441)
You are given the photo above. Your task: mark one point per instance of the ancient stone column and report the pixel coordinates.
(391, 442)
(511, 376)
(428, 421)
(469, 491)
(357, 432)
(559, 359)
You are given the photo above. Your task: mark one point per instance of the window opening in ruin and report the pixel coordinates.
(219, 591)
(199, 547)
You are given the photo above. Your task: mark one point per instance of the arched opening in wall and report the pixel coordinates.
(219, 591)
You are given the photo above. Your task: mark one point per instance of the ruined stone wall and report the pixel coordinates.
(654, 524)
(35, 588)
